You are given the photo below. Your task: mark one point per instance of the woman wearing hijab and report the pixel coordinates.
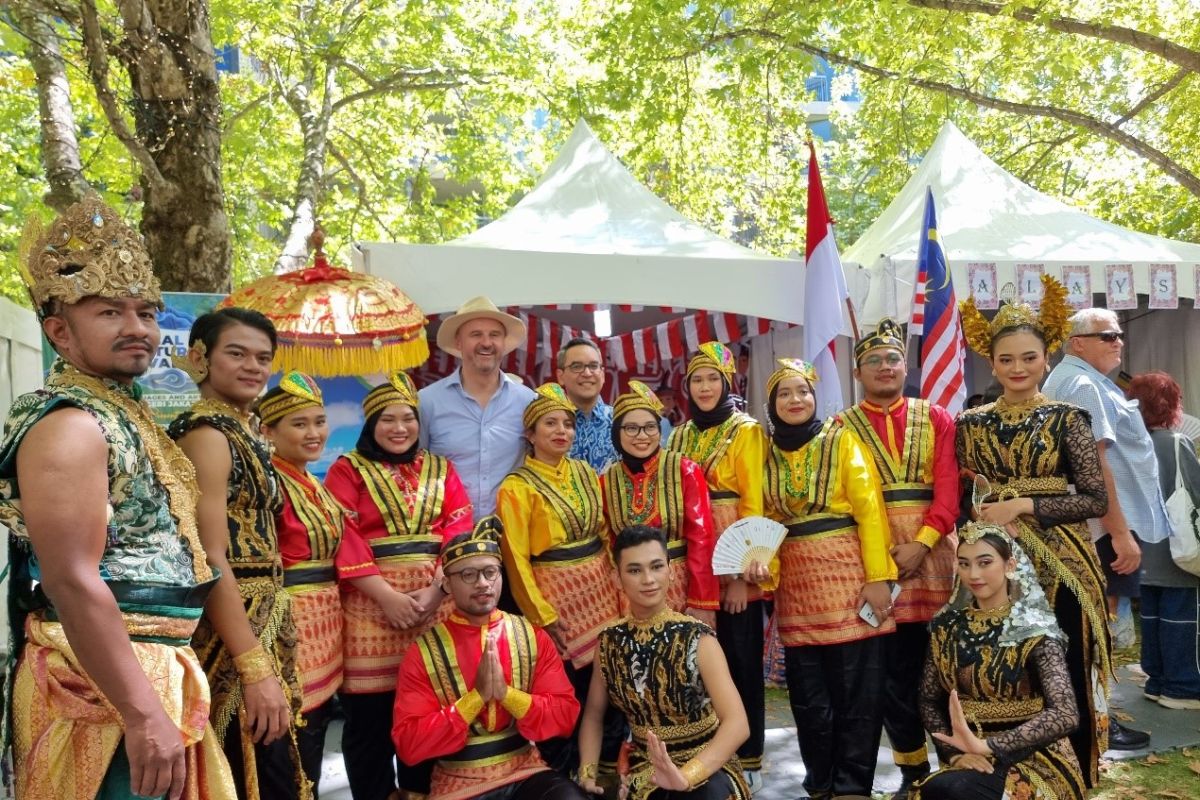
(407, 501)
(819, 482)
(664, 490)
(728, 446)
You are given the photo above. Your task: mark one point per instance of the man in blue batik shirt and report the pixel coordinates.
(581, 374)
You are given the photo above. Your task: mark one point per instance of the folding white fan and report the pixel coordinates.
(748, 539)
(1189, 426)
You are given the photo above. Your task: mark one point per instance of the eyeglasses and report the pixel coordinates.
(633, 431)
(1108, 337)
(875, 362)
(576, 367)
(471, 575)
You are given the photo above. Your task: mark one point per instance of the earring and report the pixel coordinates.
(197, 372)
(1012, 576)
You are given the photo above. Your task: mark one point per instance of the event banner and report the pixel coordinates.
(1118, 286)
(982, 279)
(1078, 281)
(1164, 286)
(1029, 283)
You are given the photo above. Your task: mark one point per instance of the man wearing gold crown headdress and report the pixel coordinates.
(911, 442)
(108, 698)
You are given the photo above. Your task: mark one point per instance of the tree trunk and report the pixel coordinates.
(60, 148)
(314, 124)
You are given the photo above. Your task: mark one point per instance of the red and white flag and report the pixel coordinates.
(825, 293)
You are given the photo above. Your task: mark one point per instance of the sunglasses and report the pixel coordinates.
(1108, 337)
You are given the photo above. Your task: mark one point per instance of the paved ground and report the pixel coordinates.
(784, 771)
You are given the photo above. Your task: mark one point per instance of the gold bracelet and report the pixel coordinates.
(254, 665)
(694, 772)
(588, 771)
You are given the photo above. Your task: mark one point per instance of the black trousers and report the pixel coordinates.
(963, 784)
(561, 754)
(273, 764)
(547, 785)
(836, 691)
(372, 768)
(311, 740)
(741, 638)
(904, 655)
(717, 787)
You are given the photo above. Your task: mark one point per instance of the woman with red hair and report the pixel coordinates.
(1170, 596)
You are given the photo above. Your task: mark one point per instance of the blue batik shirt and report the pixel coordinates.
(593, 436)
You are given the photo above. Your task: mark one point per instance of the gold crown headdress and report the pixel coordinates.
(549, 397)
(639, 396)
(484, 540)
(791, 368)
(87, 251)
(398, 390)
(295, 392)
(1052, 321)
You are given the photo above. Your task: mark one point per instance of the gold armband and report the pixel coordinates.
(469, 706)
(694, 772)
(588, 771)
(254, 665)
(517, 702)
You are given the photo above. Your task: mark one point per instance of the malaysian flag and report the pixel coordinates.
(935, 319)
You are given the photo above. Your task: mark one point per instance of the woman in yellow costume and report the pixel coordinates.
(555, 548)
(728, 446)
(310, 527)
(820, 482)
(1032, 450)
(247, 637)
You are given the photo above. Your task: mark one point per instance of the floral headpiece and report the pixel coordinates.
(295, 392)
(1052, 321)
(713, 355)
(887, 333)
(791, 368)
(484, 540)
(549, 397)
(639, 396)
(88, 251)
(399, 390)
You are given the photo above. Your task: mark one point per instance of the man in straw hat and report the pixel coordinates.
(477, 690)
(108, 698)
(473, 415)
(911, 443)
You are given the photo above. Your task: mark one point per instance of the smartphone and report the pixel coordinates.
(868, 614)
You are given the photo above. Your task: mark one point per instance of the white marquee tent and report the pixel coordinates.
(986, 215)
(589, 232)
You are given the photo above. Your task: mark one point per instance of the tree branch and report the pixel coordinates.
(1146, 42)
(97, 62)
(401, 81)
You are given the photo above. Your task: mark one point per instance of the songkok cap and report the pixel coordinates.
(548, 397)
(887, 333)
(791, 368)
(484, 540)
(639, 396)
(295, 392)
(399, 390)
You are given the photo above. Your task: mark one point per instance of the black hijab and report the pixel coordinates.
(722, 411)
(788, 437)
(634, 463)
(368, 447)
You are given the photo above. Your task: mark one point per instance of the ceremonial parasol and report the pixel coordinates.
(331, 321)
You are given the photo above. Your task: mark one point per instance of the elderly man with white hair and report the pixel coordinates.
(1135, 510)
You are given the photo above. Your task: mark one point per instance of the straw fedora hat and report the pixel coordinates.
(479, 308)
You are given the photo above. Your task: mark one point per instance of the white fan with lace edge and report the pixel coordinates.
(749, 539)
(1189, 426)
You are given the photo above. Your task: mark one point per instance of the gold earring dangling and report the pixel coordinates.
(196, 371)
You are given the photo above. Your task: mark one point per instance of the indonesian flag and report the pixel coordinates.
(825, 293)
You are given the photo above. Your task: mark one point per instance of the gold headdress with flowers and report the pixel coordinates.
(398, 390)
(791, 368)
(714, 355)
(639, 396)
(484, 540)
(1052, 321)
(295, 392)
(87, 251)
(549, 397)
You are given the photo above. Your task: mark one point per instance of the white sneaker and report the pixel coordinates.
(1124, 634)
(1179, 702)
(754, 780)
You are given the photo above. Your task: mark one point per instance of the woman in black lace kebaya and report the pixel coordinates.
(997, 667)
(1032, 450)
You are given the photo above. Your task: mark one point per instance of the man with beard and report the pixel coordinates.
(911, 443)
(108, 572)
(477, 690)
(473, 415)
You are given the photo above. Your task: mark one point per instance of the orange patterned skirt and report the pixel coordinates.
(821, 575)
(452, 781)
(317, 610)
(581, 590)
(922, 596)
(374, 648)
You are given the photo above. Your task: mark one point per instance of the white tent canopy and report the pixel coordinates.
(986, 215)
(589, 232)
